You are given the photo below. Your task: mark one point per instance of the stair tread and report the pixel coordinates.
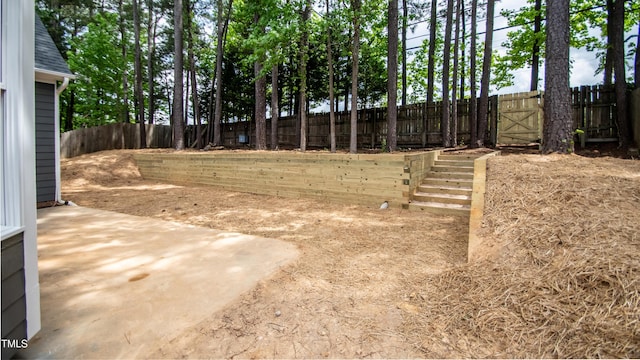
(443, 196)
(444, 187)
(461, 160)
(441, 205)
(461, 167)
(454, 173)
(470, 181)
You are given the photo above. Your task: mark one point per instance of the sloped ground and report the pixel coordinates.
(560, 276)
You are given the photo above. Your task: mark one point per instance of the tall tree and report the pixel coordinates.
(222, 23)
(609, 53)
(304, 53)
(332, 115)
(454, 88)
(355, 52)
(557, 133)
(260, 107)
(405, 18)
(151, 46)
(178, 64)
(125, 77)
(392, 75)
(473, 101)
(463, 46)
(535, 57)
(620, 82)
(636, 72)
(445, 122)
(193, 73)
(483, 105)
(275, 109)
(139, 95)
(431, 68)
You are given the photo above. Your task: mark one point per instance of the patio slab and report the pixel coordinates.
(115, 286)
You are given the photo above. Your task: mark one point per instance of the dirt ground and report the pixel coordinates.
(391, 283)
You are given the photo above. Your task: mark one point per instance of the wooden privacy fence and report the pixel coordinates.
(112, 136)
(594, 112)
(513, 119)
(418, 126)
(521, 115)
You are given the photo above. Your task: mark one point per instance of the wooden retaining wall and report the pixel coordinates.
(366, 179)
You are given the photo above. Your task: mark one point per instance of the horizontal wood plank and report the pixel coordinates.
(344, 178)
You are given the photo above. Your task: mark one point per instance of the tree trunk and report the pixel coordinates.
(557, 136)
(430, 66)
(68, 119)
(473, 97)
(608, 60)
(125, 78)
(535, 58)
(151, 46)
(222, 30)
(139, 96)
(462, 49)
(261, 106)
(473, 101)
(620, 81)
(454, 89)
(304, 48)
(275, 110)
(392, 75)
(445, 125)
(332, 110)
(353, 139)
(178, 124)
(405, 16)
(185, 102)
(194, 81)
(483, 106)
(636, 74)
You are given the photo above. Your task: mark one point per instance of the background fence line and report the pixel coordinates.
(418, 126)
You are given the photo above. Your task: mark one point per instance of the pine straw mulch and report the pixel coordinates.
(561, 274)
(558, 276)
(343, 298)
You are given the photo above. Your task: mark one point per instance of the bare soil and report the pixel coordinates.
(374, 283)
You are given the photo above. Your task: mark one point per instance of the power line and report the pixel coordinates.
(518, 25)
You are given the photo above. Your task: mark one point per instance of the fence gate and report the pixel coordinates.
(520, 118)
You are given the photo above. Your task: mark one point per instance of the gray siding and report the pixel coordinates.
(14, 313)
(45, 142)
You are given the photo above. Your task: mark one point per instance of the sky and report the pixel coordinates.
(584, 65)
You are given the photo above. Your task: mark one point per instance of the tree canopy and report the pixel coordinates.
(288, 39)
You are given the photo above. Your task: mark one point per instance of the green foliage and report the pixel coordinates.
(98, 62)
(585, 15)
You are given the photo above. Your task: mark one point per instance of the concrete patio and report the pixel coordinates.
(116, 286)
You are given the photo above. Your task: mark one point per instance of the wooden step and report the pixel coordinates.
(443, 198)
(457, 157)
(449, 182)
(439, 208)
(451, 175)
(468, 163)
(452, 168)
(443, 189)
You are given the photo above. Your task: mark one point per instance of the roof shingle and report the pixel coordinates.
(47, 56)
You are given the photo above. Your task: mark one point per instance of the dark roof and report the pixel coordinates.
(47, 56)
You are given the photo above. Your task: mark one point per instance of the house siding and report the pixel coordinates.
(14, 305)
(45, 142)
